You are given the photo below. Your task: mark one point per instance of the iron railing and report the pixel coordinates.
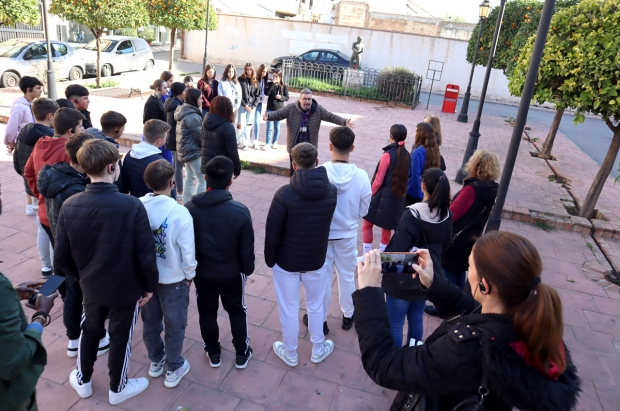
(21, 30)
(390, 84)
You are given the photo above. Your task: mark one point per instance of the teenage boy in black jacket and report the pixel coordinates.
(296, 236)
(225, 253)
(78, 96)
(104, 240)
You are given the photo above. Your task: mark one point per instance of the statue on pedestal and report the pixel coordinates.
(356, 59)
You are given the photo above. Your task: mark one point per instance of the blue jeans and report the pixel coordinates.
(456, 278)
(168, 307)
(178, 172)
(397, 311)
(204, 112)
(257, 117)
(273, 131)
(193, 174)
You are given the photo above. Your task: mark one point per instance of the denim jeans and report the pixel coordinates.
(244, 118)
(167, 307)
(204, 112)
(178, 172)
(397, 311)
(273, 131)
(456, 278)
(192, 172)
(258, 114)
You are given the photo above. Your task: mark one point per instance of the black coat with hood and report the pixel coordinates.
(189, 121)
(410, 233)
(250, 93)
(455, 257)
(449, 366)
(170, 105)
(224, 236)
(219, 139)
(298, 222)
(27, 138)
(57, 183)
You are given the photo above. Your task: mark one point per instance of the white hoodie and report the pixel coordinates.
(143, 149)
(354, 194)
(173, 229)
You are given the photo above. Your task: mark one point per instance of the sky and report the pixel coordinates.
(468, 9)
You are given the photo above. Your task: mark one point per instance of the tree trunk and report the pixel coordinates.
(173, 34)
(98, 38)
(182, 54)
(599, 181)
(548, 144)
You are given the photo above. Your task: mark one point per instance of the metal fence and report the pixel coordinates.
(21, 31)
(390, 84)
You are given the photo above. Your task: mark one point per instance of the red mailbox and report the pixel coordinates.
(450, 98)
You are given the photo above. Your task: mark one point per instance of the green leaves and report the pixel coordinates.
(19, 11)
(100, 14)
(181, 14)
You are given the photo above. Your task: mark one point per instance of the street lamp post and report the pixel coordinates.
(484, 12)
(474, 134)
(51, 77)
(204, 60)
(526, 97)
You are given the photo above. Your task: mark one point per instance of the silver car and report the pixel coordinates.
(118, 54)
(28, 57)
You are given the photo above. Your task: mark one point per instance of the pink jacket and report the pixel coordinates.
(21, 114)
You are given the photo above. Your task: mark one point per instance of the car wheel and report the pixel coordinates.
(75, 74)
(149, 65)
(106, 71)
(10, 79)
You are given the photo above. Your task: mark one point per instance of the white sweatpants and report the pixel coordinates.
(342, 254)
(287, 295)
(44, 245)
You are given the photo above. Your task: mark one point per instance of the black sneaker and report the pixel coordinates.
(347, 323)
(325, 328)
(242, 360)
(45, 274)
(215, 360)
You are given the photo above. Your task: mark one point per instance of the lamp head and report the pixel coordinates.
(484, 9)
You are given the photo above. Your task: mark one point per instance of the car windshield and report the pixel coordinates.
(106, 45)
(12, 48)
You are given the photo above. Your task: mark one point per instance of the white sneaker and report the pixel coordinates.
(84, 390)
(133, 387)
(280, 350)
(274, 146)
(72, 349)
(265, 147)
(30, 210)
(256, 146)
(173, 378)
(157, 368)
(328, 348)
(104, 345)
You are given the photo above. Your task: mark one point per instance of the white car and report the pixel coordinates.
(118, 54)
(28, 57)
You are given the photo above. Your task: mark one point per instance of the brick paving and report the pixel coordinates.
(592, 328)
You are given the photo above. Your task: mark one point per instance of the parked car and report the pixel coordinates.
(28, 57)
(118, 54)
(320, 56)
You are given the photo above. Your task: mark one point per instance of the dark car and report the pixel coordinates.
(319, 56)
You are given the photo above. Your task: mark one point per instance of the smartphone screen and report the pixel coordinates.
(51, 285)
(398, 262)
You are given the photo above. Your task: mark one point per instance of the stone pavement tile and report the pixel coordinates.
(343, 339)
(608, 396)
(258, 309)
(201, 372)
(54, 397)
(609, 324)
(258, 382)
(247, 405)
(59, 369)
(9, 259)
(95, 404)
(7, 231)
(343, 368)
(577, 300)
(588, 398)
(192, 331)
(261, 341)
(200, 397)
(597, 368)
(593, 341)
(311, 393)
(25, 271)
(607, 305)
(256, 284)
(18, 242)
(574, 316)
(347, 399)
(15, 217)
(371, 387)
(156, 395)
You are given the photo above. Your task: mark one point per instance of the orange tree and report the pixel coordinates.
(19, 11)
(182, 15)
(98, 15)
(580, 69)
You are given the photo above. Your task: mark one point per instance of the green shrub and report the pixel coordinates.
(148, 34)
(396, 84)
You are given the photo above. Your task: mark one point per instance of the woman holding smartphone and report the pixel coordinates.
(277, 94)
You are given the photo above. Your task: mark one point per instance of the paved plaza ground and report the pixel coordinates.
(591, 313)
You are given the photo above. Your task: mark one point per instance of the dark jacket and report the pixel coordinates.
(136, 161)
(209, 92)
(271, 92)
(57, 183)
(26, 139)
(189, 122)
(292, 113)
(105, 240)
(385, 208)
(86, 123)
(449, 366)
(153, 109)
(298, 222)
(95, 132)
(224, 236)
(409, 234)
(170, 105)
(455, 257)
(219, 139)
(249, 92)
(22, 354)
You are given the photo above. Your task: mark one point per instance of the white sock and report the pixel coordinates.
(382, 247)
(367, 248)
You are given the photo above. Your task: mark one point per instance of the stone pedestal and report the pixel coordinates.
(353, 78)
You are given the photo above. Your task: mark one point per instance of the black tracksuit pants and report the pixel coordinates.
(72, 310)
(232, 293)
(121, 326)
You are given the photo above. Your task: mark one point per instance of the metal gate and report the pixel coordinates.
(21, 31)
